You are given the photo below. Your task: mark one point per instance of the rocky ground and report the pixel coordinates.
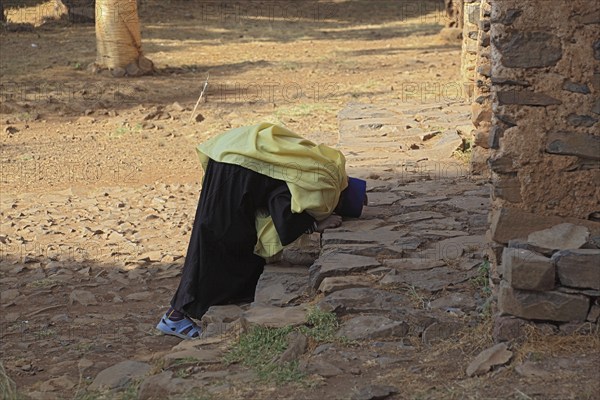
(98, 196)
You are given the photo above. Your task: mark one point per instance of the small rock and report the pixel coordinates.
(204, 356)
(118, 72)
(139, 296)
(495, 355)
(119, 375)
(297, 344)
(320, 367)
(374, 392)
(508, 328)
(11, 130)
(175, 107)
(440, 330)
(83, 297)
(199, 118)
(372, 327)
(162, 386)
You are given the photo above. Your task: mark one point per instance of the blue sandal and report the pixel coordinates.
(177, 328)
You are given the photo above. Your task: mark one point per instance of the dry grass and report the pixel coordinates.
(8, 388)
(552, 345)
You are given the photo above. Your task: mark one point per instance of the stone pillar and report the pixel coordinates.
(545, 161)
(481, 108)
(469, 45)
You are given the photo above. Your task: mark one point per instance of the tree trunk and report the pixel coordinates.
(118, 38)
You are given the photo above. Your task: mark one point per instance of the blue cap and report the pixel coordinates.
(352, 198)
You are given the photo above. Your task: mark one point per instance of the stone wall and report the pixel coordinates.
(538, 110)
(481, 109)
(469, 45)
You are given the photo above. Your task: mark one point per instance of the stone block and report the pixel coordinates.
(508, 329)
(561, 236)
(576, 87)
(506, 120)
(585, 121)
(472, 12)
(481, 113)
(367, 327)
(525, 98)
(496, 133)
(511, 223)
(363, 300)
(596, 80)
(524, 269)
(510, 82)
(596, 107)
(594, 314)
(547, 306)
(508, 187)
(502, 163)
(482, 138)
(529, 49)
(336, 264)
(579, 268)
(484, 41)
(574, 144)
(334, 283)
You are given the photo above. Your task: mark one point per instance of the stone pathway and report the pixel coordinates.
(399, 278)
(401, 273)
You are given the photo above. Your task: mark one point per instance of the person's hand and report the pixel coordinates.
(333, 221)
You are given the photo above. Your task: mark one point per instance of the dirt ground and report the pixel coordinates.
(89, 162)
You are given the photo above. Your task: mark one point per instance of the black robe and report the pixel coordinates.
(220, 266)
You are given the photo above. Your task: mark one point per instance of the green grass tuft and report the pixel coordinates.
(260, 347)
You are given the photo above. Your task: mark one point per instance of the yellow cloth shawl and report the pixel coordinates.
(315, 174)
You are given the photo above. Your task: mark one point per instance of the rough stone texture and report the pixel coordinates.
(512, 223)
(335, 283)
(525, 98)
(574, 144)
(119, 375)
(507, 187)
(549, 306)
(363, 300)
(561, 236)
(200, 356)
(280, 286)
(162, 386)
(529, 49)
(431, 280)
(524, 269)
(594, 314)
(440, 330)
(335, 264)
(297, 344)
(495, 355)
(578, 268)
(508, 328)
(372, 327)
(374, 392)
(276, 317)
